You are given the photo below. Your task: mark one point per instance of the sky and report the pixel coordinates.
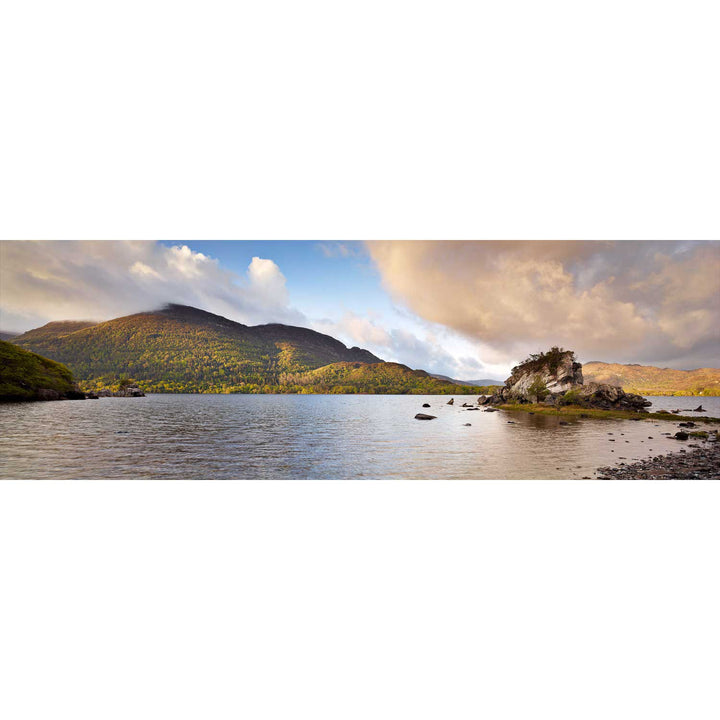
(467, 309)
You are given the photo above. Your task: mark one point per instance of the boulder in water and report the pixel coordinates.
(423, 416)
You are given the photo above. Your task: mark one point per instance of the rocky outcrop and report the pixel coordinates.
(606, 397)
(555, 371)
(555, 378)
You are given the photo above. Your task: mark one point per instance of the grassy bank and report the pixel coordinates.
(577, 411)
(24, 375)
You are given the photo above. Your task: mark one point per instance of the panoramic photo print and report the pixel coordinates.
(359, 360)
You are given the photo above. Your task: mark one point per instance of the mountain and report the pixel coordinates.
(183, 349)
(649, 380)
(485, 382)
(8, 335)
(25, 375)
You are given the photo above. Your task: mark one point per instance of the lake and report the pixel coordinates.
(314, 436)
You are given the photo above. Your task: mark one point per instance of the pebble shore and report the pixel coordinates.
(695, 463)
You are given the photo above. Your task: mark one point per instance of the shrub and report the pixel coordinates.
(571, 397)
(539, 361)
(539, 389)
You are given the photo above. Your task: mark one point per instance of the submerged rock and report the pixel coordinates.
(451, 401)
(423, 416)
(426, 404)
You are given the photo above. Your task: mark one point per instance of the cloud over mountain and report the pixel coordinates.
(399, 345)
(41, 281)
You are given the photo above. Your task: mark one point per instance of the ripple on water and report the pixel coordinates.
(307, 436)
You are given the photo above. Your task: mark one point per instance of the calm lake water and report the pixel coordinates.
(314, 436)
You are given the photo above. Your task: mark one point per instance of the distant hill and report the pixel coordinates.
(649, 380)
(183, 349)
(485, 382)
(25, 375)
(374, 378)
(7, 335)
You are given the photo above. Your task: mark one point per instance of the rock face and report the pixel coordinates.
(555, 378)
(556, 370)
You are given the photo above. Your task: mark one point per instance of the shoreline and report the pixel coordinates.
(588, 413)
(698, 463)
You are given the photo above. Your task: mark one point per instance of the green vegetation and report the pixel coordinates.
(24, 375)
(539, 362)
(649, 380)
(570, 397)
(577, 410)
(181, 349)
(53, 330)
(538, 389)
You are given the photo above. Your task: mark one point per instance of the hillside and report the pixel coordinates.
(53, 330)
(183, 349)
(649, 380)
(27, 376)
(371, 378)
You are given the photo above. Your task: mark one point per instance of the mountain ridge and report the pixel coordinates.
(475, 383)
(652, 380)
(179, 348)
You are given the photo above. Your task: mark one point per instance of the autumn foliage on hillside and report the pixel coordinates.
(181, 349)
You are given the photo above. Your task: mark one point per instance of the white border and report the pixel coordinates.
(323, 120)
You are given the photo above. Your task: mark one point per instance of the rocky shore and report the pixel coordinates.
(696, 463)
(128, 391)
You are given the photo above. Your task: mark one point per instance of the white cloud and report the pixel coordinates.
(43, 281)
(267, 282)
